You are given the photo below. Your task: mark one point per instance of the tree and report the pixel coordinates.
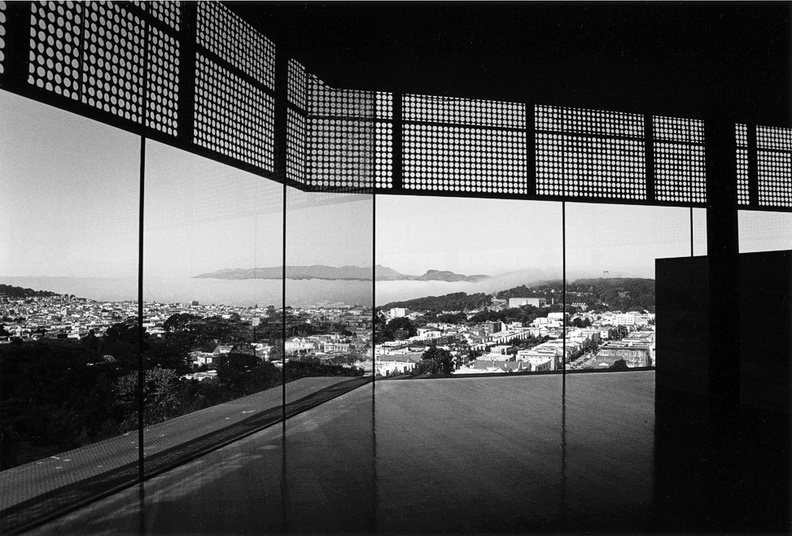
(396, 329)
(178, 322)
(436, 361)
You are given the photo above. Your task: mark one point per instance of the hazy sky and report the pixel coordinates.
(69, 207)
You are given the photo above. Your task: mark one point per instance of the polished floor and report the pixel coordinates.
(473, 455)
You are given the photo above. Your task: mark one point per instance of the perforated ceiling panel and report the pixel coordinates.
(2, 34)
(298, 85)
(233, 40)
(774, 166)
(168, 12)
(163, 82)
(123, 63)
(679, 165)
(341, 145)
(297, 123)
(470, 112)
(383, 172)
(463, 145)
(232, 116)
(384, 104)
(589, 153)
(295, 146)
(326, 101)
(55, 47)
(743, 194)
(113, 61)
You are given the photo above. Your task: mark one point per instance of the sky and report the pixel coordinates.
(69, 207)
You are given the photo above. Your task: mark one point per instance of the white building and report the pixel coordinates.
(520, 302)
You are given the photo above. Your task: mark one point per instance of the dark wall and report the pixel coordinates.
(765, 324)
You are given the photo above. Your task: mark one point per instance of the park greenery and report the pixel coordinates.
(60, 394)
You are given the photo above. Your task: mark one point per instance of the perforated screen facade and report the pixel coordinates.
(589, 153)
(463, 145)
(341, 137)
(743, 192)
(197, 76)
(774, 166)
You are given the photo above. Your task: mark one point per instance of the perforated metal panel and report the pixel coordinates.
(326, 101)
(457, 111)
(341, 137)
(232, 116)
(589, 153)
(584, 121)
(295, 146)
(2, 35)
(340, 154)
(94, 53)
(383, 172)
(113, 61)
(233, 40)
(167, 11)
(463, 159)
(679, 164)
(384, 102)
(774, 166)
(743, 192)
(463, 145)
(298, 85)
(56, 46)
(125, 60)
(162, 82)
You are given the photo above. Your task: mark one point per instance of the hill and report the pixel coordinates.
(10, 291)
(333, 273)
(456, 301)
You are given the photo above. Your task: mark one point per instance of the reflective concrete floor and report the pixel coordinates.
(471, 455)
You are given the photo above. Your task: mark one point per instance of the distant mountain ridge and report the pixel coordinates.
(340, 273)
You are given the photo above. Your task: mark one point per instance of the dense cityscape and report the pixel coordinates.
(68, 365)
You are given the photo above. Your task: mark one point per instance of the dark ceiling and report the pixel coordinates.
(690, 59)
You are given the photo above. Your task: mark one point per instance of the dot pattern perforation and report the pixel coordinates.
(775, 178)
(232, 116)
(584, 166)
(225, 34)
(586, 121)
(774, 138)
(384, 102)
(743, 192)
(2, 35)
(297, 87)
(55, 47)
(383, 168)
(167, 11)
(295, 146)
(678, 129)
(741, 135)
(113, 61)
(340, 154)
(774, 166)
(464, 159)
(325, 101)
(680, 173)
(458, 111)
(162, 82)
